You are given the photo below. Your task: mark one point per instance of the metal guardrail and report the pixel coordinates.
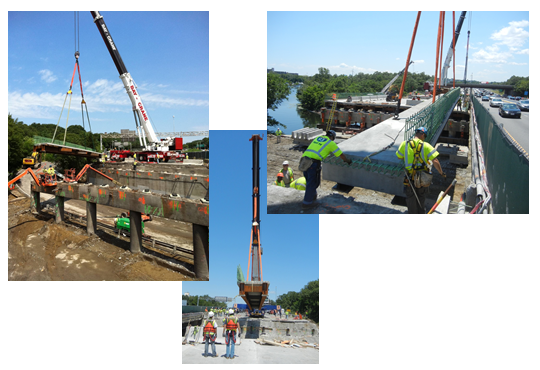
(432, 116)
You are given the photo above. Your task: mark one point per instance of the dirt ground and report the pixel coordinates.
(40, 249)
(355, 200)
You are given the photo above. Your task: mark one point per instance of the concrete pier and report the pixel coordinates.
(137, 202)
(135, 228)
(91, 218)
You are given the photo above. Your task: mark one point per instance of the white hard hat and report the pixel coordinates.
(231, 311)
(285, 162)
(210, 314)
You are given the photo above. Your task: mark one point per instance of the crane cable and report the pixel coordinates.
(70, 93)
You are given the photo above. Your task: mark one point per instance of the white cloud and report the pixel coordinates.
(508, 43)
(513, 36)
(47, 76)
(344, 68)
(100, 96)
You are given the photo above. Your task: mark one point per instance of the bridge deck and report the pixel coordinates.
(64, 149)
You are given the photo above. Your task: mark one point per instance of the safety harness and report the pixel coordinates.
(209, 328)
(418, 162)
(231, 324)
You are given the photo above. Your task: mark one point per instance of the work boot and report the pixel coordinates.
(309, 206)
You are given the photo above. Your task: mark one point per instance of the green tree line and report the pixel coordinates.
(305, 300)
(197, 145)
(317, 88)
(21, 143)
(204, 301)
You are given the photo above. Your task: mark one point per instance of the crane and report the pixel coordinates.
(385, 89)
(153, 148)
(448, 59)
(254, 290)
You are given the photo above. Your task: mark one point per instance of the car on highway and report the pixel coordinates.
(523, 104)
(495, 102)
(485, 98)
(509, 110)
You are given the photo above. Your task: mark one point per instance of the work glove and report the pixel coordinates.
(349, 161)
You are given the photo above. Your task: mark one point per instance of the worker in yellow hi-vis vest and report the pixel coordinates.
(310, 163)
(417, 156)
(299, 184)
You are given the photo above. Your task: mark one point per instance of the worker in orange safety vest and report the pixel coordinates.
(209, 332)
(230, 329)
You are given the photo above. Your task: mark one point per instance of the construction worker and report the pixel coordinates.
(278, 134)
(49, 170)
(418, 155)
(209, 333)
(299, 184)
(230, 328)
(279, 180)
(310, 163)
(287, 172)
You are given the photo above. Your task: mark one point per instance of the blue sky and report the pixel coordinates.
(290, 242)
(166, 53)
(353, 42)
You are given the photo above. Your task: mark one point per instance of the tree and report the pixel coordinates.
(323, 75)
(311, 97)
(277, 90)
(306, 300)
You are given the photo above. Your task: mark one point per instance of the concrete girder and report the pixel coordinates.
(382, 171)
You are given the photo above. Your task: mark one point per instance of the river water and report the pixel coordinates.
(291, 115)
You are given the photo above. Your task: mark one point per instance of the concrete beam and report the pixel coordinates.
(175, 208)
(383, 171)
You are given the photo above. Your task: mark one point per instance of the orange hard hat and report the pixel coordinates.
(279, 174)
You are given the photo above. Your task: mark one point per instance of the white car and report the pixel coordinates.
(523, 104)
(495, 102)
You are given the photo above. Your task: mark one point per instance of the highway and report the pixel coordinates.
(518, 128)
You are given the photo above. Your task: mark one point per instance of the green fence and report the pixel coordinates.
(507, 165)
(191, 309)
(46, 140)
(432, 116)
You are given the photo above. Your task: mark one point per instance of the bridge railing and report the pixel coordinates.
(46, 140)
(433, 116)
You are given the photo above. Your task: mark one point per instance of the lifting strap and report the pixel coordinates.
(70, 93)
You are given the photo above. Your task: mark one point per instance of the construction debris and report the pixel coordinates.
(287, 343)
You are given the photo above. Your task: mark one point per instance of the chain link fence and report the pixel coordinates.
(432, 116)
(506, 165)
